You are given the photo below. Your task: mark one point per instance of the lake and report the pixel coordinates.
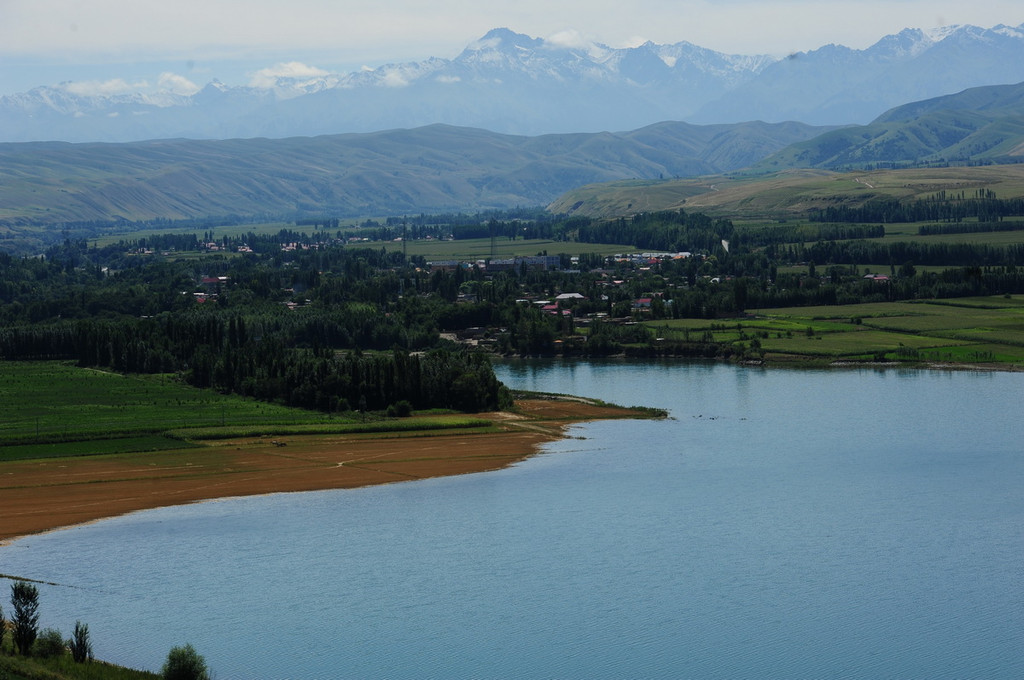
(782, 524)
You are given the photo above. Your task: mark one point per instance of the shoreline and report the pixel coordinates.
(55, 494)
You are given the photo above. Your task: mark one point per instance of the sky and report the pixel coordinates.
(123, 45)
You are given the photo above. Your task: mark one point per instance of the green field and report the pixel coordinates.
(785, 195)
(463, 249)
(480, 248)
(988, 330)
(57, 410)
(53, 402)
(14, 667)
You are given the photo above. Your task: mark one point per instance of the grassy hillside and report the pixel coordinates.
(934, 138)
(993, 100)
(981, 124)
(785, 195)
(431, 169)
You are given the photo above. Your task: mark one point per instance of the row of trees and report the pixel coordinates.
(333, 327)
(942, 207)
(217, 355)
(671, 231)
(970, 227)
(897, 252)
(346, 346)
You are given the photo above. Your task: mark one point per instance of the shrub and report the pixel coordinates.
(50, 643)
(184, 663)
(400, 409)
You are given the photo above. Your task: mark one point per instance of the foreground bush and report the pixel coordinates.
(49, 644)
(184, 663)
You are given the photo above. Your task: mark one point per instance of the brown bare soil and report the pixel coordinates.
(41, 495)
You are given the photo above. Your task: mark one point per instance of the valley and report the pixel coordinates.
(325, 281)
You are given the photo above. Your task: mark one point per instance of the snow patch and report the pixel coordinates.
(939, 33)
(1010, 31)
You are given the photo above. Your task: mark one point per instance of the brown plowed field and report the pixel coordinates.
(41, 495)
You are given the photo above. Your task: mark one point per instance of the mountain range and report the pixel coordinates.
(441, 168)
(430, 169)
(516, 84)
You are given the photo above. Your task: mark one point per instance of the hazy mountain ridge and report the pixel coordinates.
(515, 84)
(434, 168)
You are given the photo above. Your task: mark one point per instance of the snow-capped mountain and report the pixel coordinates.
(513, 83)
(834, 84)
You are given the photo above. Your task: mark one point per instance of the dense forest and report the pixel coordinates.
(240, 331)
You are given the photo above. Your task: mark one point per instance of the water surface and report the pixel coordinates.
(783, 523)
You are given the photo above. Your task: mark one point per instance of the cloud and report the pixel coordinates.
(172, 82)
(569, 38)
(267, 77)
(394, 79)
(93, 88)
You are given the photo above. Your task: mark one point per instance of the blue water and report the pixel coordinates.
(783, 524)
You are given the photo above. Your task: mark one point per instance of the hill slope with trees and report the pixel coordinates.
(431, 169)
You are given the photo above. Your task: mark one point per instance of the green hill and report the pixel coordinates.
(431, 169)
(980, 125)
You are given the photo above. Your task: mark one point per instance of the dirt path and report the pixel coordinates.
(42, 495)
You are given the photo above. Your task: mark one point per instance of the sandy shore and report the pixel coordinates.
(43, 495)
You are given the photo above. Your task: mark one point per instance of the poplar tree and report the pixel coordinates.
(80, 646)
(25, 601)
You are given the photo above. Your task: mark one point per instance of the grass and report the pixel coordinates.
(414, 424)
(463, 249)
(53, 402)
(480, 248)
(789, 194)
(62, 667)
(57, 410)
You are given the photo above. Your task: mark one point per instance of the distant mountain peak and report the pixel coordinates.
(510, 82)
(1010, 31)
(907, 43)
(939, 33)
(503, 39)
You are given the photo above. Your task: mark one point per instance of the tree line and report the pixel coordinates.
(325, 329)
(333, 326)
(943, 207)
